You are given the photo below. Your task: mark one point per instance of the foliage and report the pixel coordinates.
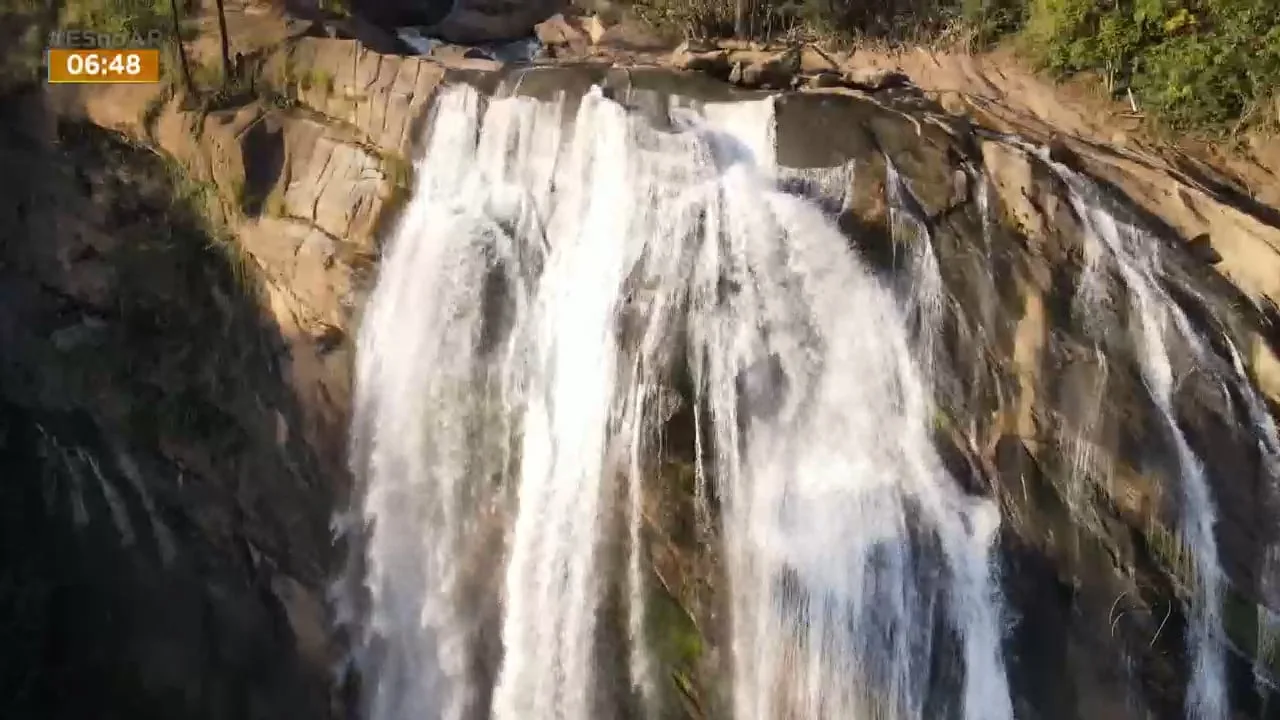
(1195, 63)
(844, 19)
(134, 16)
(336, 8)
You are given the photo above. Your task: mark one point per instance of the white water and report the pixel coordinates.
(926, 295)
(1159, 326)
(518, 426)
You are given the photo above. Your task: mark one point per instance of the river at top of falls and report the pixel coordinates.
(545, 282)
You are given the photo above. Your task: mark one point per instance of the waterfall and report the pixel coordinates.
(548, 277)
(926, 296)
(1158, 326)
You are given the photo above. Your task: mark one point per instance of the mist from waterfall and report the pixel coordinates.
(548, 279)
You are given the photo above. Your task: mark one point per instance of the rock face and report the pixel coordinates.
(474, 21)
(465, 21)
(165, 496)
(176, 417)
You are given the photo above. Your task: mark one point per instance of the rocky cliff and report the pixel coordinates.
(181, 286)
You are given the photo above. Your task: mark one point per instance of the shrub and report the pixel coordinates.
(1195, 63)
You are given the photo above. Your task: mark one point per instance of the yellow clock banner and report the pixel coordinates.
(104, 66)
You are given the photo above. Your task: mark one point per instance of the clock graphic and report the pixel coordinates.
(68, 65)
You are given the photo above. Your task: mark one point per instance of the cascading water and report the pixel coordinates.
(1159, 324)
(545, 282)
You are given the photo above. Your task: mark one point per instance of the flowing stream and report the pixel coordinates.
(559, 265)
(547, 279)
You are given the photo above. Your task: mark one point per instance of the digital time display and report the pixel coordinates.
(104, 66)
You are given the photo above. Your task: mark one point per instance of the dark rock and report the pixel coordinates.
(1061, 152)
(476, 21)
(138, 460)
(468, 21)
(1202, 249)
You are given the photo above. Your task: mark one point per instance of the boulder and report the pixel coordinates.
(631, 35)
(464, 21)
(761, 69)
(557, 31)
(715, 63)
(875, 79)
(476, 21)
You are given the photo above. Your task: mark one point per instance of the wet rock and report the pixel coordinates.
(1061, 152)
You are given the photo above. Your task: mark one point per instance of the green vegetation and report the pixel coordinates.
(1202, 65)
(336, 8)
(1195, 63)
(675, 640)
(133, 16)
(845, 19)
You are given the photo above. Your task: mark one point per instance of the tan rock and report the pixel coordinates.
(813, 61)
(715, 63)
(874, 79)
(594, 28)
(556, 30)
(738, 45)
(632, 35)
(763, 69)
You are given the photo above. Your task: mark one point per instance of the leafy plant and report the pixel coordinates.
(1198, 64)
